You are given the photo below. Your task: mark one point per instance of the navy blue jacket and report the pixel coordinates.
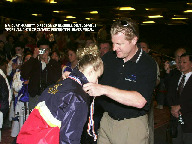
(68, 103)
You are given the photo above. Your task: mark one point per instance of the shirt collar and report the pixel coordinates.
(187, 75)
(78, 75)
(137, 56)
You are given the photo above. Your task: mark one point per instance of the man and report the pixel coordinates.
(41, 71)
(182, 103)
(144, 46)
(128, 82)
(177, 55)
(172, 73)
(104, 47)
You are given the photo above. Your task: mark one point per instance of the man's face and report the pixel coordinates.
(104, 48)
(177, 57)
(44, 50)
(144, 47)
(124, 49)
(19, 50)
(185, 65)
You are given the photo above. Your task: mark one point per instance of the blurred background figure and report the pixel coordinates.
(102, 34)
(5, 92)
(2, 50)
(104, 47)
(16, 61)
(73, 60)
(55, 55)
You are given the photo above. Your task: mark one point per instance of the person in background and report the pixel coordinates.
(181, 104)
(16, 62)
(3, 35)
(72, 49)
(55, 55)
(172, 73)
(31, 43)
(5, 91)
(21, 100)
(9, 47)
(172, 70)
(2, 50)
(126, 86)
(62, 109)
(41, 71)
(104, 47)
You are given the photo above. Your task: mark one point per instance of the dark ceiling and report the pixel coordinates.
(22, 10)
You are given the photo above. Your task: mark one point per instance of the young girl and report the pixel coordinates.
(73, 58)
(62, 111)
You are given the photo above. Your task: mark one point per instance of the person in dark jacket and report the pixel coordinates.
(62, 111)
(181, 106)
(41, 71)
(5, 92)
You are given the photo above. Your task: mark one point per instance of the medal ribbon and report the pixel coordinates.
(90, 129)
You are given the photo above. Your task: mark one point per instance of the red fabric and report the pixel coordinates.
(36, 131)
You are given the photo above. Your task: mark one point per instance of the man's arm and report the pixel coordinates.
(128, 98)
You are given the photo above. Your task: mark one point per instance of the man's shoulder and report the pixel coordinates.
(147, 59)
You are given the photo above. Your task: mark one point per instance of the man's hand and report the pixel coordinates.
(175, 110)
(93, 89)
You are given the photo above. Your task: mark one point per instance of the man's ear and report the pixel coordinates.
(134, 40)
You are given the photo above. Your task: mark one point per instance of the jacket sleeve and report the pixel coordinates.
(27, 67)
(74, 114)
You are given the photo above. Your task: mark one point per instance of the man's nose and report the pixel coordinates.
(114, 48)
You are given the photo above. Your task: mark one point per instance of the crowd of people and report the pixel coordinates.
(65, 87)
